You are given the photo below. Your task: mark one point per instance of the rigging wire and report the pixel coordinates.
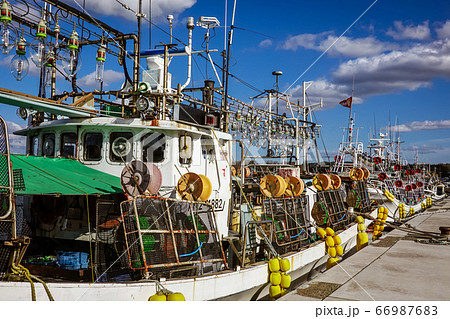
(331, 45)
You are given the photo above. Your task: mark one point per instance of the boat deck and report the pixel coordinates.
(396, 267)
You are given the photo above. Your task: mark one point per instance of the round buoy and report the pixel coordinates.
(397, 167)
(413, 186)
(418, 170)
(377, 160)
(408, 188)
(194, 187)
(321, 182)
(233, 171)
(419, 184)
(335, 181)
(382, 176)
(398, 183)
(294, 186)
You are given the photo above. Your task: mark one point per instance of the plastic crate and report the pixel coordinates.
(72, 260)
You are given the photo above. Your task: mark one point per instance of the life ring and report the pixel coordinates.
(382, 176)
(398, 183)
(408, 188)
(413, 186)
(419, 184)
(408, 172)
(377, 160)
(397, 167)
(418, 170)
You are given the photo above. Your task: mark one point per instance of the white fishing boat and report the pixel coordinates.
(134, 193)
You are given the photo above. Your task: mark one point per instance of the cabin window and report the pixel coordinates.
(93, 146)
(68, 144)
(33, 145)
(48, 144)
(153, 146)
(121, 146)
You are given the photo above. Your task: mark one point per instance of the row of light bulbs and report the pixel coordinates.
(43, 53)
(262, 133)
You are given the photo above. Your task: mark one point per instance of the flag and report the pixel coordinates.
(347, 102)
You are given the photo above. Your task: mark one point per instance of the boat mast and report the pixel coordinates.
(225, 93)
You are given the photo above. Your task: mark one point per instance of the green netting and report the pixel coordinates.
(43, 175)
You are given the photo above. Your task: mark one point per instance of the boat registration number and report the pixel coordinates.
(217, 203)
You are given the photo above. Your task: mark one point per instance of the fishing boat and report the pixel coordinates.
(136, 193)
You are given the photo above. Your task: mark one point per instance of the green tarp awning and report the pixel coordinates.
(44, 175)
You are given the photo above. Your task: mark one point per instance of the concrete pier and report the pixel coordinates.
(399, 266)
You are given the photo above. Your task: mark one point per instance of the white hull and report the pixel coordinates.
(238, 285)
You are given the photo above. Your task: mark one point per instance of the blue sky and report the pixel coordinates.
(398, 52)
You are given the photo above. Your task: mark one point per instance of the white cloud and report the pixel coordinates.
(331, 93)
(401, 32)
(160, 8)
(265, 43)
(422, 125)
(397, 70)
(109, 76)
(17, 144)
(443, 32)
(345, 46)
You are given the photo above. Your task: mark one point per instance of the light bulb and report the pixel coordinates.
(8, 39)
(100, 65)
(99, 68)
(38, 51)
(71, 61)
(19, 66)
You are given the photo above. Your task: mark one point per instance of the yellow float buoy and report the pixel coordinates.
(285, 264)
(285, 281)
(274, 291)
(321, 232)
(331, 262)
(159, 296)
(274, 265)
(330, 231)
(337, 240)
(332, 252)
(362, 240)
(329, 241)
(339, 250)
(359, 219)
(361, 227)
(176, 296)
(275, 278)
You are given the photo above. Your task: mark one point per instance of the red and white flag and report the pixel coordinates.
(347, 102)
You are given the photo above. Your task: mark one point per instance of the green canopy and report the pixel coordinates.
(44, 175)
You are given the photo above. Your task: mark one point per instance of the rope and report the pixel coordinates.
(24, 273)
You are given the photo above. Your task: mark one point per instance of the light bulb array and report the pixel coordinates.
(42, 53)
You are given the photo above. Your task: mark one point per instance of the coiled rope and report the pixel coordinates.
(23, 273)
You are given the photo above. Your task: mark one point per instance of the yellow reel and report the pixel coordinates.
(335, 181)
(194, 187)
(366, 173)
(321, 182)
(356, 174)
(272, 185)
(294, 186)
